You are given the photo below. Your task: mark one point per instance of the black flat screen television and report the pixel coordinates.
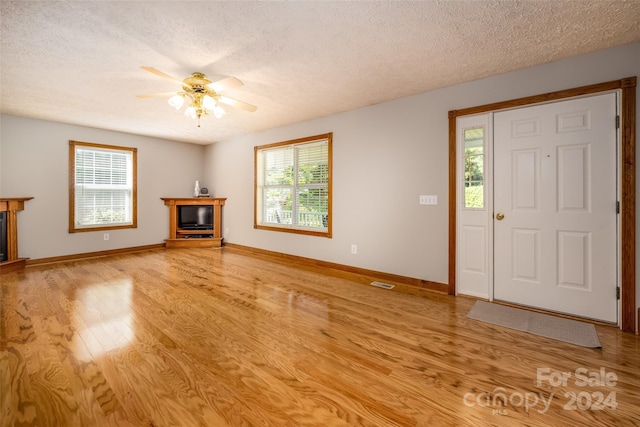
(195, 217)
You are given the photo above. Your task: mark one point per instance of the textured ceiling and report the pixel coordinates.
(79, 61)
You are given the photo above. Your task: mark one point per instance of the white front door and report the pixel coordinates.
(555, 221)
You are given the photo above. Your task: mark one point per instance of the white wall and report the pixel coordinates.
(34, 161)
(385, 156)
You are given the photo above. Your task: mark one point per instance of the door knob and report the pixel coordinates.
(499, 216)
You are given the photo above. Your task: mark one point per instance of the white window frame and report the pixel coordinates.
(260, 216)
(76, 224)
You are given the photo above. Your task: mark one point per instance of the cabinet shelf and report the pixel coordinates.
(183, 231)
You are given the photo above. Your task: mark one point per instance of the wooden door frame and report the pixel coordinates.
(627, 159)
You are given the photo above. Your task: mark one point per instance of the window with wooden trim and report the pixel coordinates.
(293, 186)
(102, 187)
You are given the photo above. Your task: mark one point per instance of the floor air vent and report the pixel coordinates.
(382, 285)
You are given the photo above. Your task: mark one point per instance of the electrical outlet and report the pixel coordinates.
(354, 249)
(106, 236)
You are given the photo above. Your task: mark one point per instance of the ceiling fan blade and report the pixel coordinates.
(227, 83)
(237, 104)
(163, 75)
(155, 95)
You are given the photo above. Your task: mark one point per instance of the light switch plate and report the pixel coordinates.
(428, 200)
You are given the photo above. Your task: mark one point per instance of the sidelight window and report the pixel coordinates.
(474, 168)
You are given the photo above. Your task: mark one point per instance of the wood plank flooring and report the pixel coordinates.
(206, 337)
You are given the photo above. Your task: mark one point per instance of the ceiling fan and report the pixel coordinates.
(202, 94)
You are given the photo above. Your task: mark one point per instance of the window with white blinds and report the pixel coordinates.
(293, 186)
(103, 190)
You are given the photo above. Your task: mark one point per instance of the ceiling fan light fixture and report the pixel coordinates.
(190, 112)
(208, 102)
(201, 94)
(218, 112)
(176, 101)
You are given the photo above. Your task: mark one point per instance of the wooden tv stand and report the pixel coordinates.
(180, 238)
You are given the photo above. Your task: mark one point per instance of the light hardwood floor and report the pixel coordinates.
(206, 337)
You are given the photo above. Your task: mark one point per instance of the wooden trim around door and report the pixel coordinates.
(627, 245)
